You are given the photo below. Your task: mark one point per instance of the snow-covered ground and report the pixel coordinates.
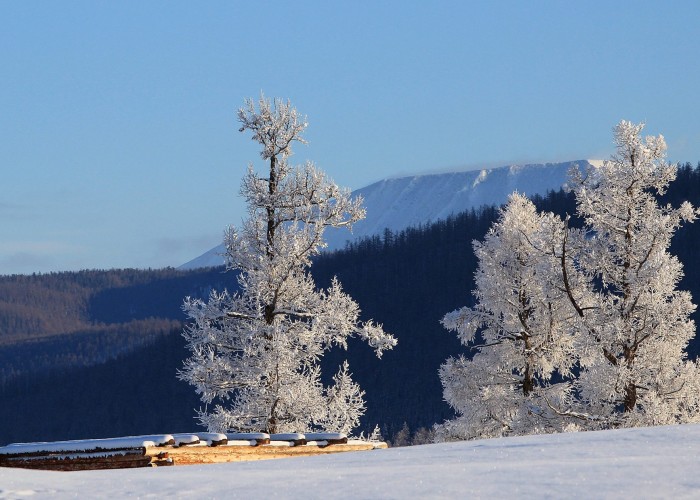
(400, 202)
(661, 462)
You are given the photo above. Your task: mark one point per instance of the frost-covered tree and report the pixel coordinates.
(597, 311)
(521, 330)
(633, 347)
(255, 353)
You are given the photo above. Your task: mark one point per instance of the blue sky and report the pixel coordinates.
(120, 146)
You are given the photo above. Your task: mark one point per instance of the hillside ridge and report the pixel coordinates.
(397, 203)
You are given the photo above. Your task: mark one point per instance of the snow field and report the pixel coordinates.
(658, 462)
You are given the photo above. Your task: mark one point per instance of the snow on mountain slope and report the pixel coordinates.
(398, 203)
(210, 258)
(408, 201)
(655, 462)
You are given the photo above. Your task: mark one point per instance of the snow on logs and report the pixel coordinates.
(174, 449)
(87, 454)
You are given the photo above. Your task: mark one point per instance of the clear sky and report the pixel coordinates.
(119, 143)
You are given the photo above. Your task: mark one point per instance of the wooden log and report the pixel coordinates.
(293, 437)
(80, 461)
(233, 453)
(187, 443)
(330, 437)
(336, 441)
(140, 450)
(168, 462)
(213, 438)
(87, 445)
(258, 437)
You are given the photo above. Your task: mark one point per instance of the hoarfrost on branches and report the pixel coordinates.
(255, 353)
(579, 329)
(634, 370)
(520, 328)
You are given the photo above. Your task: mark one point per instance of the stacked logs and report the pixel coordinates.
(173, 449)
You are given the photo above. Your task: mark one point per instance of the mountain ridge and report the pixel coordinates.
(396, 203)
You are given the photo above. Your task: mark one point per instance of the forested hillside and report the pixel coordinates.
(406, 280)
(51, 321)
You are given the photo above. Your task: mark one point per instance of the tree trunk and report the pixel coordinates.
(528, 382)
(630, 397)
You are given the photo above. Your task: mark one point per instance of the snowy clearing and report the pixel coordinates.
(659, 462)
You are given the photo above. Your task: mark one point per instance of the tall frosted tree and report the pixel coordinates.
(521, 331)
(580, 326)
(633, 347)
(256, 352)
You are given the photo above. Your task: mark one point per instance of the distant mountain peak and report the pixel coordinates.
(400, 202)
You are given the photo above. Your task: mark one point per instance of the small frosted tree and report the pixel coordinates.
(521, 329)
(255, 353)
(634, 340)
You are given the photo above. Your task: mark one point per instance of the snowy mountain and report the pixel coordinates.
(210, 258)
(401, 202)
(656, 462)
